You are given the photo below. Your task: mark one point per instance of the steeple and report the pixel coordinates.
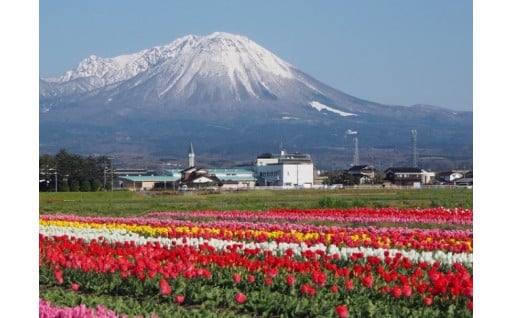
(191, 156)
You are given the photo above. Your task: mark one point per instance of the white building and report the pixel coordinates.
(427, 177)
(284, 170)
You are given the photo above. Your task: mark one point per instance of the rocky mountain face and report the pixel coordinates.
(234, 100)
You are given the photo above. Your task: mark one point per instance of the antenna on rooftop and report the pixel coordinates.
(281, 149)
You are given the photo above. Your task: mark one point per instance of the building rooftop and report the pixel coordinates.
(404, 169)
(291, 158)
(228, 170)
(151, 178)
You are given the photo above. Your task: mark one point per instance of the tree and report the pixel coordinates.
(332, 178)
(85, 186)
(96, 185)
(63, 186)
(76, 170)
(347, 178)
(47, 165)
(74, 186)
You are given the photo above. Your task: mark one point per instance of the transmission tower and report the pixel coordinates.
(356, 152)
(355, 160)
(414, 134)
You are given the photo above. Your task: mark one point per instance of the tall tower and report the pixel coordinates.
(191, 156)
(356, 151)
(355, 160)
(414, 134)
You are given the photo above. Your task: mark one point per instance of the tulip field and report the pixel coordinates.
(294, 262)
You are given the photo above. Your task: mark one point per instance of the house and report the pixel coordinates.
(234, 179)
(449, 176)
(362, 174)
(466, 183)
(194, 177)
(284, 170)
(428, 177)
(407, 176)
(191, 177)
(146, 183)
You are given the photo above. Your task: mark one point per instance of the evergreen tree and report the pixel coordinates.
(85, 186)
(63, 186)
(74, 186)
(96, 185)
(75, 169)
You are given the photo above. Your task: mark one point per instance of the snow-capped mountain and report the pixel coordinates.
(220, 68)
(219, 80)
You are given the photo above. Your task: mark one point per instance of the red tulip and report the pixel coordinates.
(342, 311)
(58, 276)
(319, 278)
(237, 278)
(272, 272)
(290, 280)
(427, 301)
(367, 281)
(179, 299)
(75, 286)
(308, 289)
(396, 292)
(407, 291)
(240, 298)
(165, 289)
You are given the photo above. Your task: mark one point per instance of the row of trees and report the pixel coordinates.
(345, 178)
(65, 172)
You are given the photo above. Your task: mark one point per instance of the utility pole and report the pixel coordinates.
(297, 174)
(112, 173)
(105, 177)
(414, 136)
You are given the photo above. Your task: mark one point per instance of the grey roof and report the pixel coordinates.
(236, 178)
(359, 167)
(235, 174)
(150, 178)
(464, 180)
(403, 169)
(229, 170)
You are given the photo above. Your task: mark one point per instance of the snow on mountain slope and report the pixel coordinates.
(319, 106)
(106, 71)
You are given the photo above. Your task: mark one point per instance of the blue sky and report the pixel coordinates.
(394, 52)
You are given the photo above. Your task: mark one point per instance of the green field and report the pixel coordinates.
(125, 203)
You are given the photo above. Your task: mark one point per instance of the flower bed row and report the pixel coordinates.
(279, 248)
(437, 215)
(178, 268)
(47, 310)
(455, 241)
